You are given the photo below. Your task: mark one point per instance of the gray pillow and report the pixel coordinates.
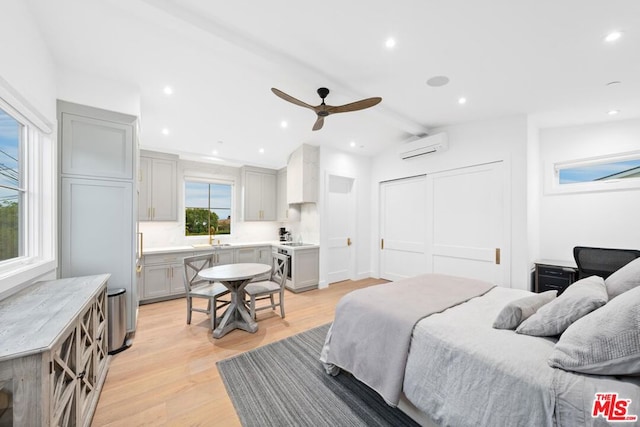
(516, 311)
(579, 299)
(605, 342)
(627, 277)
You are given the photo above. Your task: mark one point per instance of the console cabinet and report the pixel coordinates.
(54, 360)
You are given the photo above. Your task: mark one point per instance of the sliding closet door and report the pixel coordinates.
(403, 205)
(468, 223)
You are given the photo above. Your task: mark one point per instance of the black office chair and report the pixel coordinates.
(601, 261)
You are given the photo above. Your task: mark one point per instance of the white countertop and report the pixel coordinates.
(196, 248)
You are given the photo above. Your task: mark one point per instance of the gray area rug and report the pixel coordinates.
(284, 384)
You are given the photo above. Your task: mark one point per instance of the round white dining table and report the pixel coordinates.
(235, 277)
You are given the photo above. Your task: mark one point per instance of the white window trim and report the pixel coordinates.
(39, 171)
(210, 180)
(552, 175)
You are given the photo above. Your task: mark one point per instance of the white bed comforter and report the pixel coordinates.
(462, 372)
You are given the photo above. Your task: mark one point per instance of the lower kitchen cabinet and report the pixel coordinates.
(163, 276)
(304, 269)
(54, 360)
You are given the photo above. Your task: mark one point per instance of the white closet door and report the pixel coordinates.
(468, 226)
(403, 204)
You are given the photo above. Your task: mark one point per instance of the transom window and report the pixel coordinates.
(208, 208)
(612, 172)
(11, 188)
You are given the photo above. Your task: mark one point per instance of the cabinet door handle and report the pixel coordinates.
(381, 243)
(348, 241)
(148, 213)
(498, 256)
(153, 213)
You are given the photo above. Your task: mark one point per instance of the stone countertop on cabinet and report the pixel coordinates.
(199, 248)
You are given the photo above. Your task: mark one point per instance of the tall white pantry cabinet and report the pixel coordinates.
(98, 161)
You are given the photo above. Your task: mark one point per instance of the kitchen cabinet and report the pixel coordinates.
(53, 359)
(259, 194)
(285, 213)
(157, 185)
(303, 174)
(259, 254)
(163, 275)
(304, 268)
(97, 203)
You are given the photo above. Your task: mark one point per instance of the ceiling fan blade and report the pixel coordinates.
(355, 106)
(290, 98)
(318, 124)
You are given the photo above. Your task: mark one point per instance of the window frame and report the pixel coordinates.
(553, 185)
(38, 180)
(212, 180)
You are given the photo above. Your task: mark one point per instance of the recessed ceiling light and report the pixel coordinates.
(168, 90)
(165, 131)
(613, 36)
(613, 112)
(284, 124)
(390, 43)
(438, 81)
(462, 100)
(214, 152)
(261, 151)
(352, 143)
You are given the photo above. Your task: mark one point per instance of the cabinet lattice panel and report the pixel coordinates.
(63, 381)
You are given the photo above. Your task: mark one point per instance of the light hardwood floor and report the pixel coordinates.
(169, 377)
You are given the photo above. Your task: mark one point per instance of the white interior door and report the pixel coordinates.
(340, 222)
(403, 204)
(468, 224)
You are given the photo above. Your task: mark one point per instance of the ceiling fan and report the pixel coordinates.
(323, 110)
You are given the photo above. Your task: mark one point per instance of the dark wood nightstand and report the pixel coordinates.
(554, 275)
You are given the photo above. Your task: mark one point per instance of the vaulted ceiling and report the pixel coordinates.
(545, 58)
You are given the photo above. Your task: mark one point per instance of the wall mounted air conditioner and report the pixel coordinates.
(423, 146)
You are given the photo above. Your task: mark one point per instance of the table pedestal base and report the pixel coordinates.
(236, 316)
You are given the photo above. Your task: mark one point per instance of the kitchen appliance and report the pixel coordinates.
(283, 234)
(287, 252)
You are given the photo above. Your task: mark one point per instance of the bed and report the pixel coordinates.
(468, 360)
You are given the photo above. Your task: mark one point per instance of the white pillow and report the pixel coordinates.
(605, 342)
(627, 277)
(580, 298)
(521, 309)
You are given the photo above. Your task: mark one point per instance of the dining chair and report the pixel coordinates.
(197, 287)
(266, 289)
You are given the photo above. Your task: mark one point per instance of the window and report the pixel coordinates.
(27, 189)
(207, 208)
(614, 172)
(11, 188)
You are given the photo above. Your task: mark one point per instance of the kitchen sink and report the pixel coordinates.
(207, 245)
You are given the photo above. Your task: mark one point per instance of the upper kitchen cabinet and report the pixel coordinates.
(259, 194)
(94, 147)
(284, 212)
(303, 174)
(157, 183)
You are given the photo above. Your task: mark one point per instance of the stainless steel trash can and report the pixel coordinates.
(117, 305)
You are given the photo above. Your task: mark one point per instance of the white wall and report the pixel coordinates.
(470, 144)
(27, 78)
(601, 219)
(80, 88)
(335, 162)
(27, 65)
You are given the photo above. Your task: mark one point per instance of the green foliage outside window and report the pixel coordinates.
(9, 228)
